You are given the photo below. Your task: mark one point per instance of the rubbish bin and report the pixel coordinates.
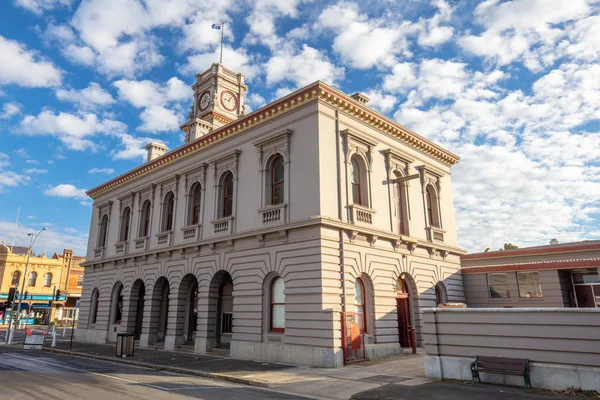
(125, 343)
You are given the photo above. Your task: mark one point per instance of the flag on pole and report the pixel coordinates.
(217, 26)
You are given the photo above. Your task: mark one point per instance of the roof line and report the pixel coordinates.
(528, 252)
(273, 109)
(532, 267)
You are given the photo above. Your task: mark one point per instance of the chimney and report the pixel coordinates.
(361, 98)
(155, 150)
(553, 242)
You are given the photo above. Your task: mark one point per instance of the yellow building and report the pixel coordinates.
(44, 275)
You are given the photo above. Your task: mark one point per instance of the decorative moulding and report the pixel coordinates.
(317, 90)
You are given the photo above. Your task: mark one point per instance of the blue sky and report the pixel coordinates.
(512, 87)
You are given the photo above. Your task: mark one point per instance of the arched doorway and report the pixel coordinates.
(188, 290)
(138, 292)
(220, 311)
(404, 309)
(116, 311)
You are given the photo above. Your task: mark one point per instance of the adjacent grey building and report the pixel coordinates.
(556, 275)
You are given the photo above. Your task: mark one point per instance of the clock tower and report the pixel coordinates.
(218, 100)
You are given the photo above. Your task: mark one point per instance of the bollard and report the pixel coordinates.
(64, 328)
(53, 336)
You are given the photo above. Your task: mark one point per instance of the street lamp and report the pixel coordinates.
(31, 242)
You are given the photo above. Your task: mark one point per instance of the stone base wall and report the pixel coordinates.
(382, 350)
(287, 353)
(90, 336)
(543, 375)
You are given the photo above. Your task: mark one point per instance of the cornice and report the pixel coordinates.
(312, 92)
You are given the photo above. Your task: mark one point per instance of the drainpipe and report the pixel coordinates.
(338, 138)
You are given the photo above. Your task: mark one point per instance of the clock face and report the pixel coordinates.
(204, 100)
(228, 100)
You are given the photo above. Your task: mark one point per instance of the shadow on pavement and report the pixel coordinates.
(453, 390)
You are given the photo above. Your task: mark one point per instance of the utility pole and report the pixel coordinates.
(18, 319)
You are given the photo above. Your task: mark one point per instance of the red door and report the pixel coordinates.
(403, 308)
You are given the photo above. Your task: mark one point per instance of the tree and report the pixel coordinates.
(510, 246)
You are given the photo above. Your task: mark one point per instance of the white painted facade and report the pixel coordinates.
(233, 260)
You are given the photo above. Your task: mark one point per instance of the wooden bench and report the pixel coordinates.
(501, 365)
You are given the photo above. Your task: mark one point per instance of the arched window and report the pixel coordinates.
(145, 219)
(125, 221)
(194, 204)
(16, 277)
(277, 305)
(48, 279)
(441, 296)
(168, 209)
(32, 278)
(399, 201)
(355, 175)
(94, 306)
(359, 301)
(102, 231)
(432, 207)
(277, 180)
(227, 195)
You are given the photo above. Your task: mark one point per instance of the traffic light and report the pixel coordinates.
(57, 296)
(26, 294)
(11, 295)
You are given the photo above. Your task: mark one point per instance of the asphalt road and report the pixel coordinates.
(31, 375)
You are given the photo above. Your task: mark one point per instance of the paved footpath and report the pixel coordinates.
(399, 377)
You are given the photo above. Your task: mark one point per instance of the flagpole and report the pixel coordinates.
(222, 32)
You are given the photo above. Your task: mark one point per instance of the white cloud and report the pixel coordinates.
(66, 190)
(302, 68)
(160, 103)
(107, 171)
(118, 32)
(236, 60)
(160, 119)
(530, 31)
(528, 172)
(433, 33)
(90, 97)
(80, 54)
(75, 131)
(60, 33)
(49, 240)
(10, 110)
(132, 148)
(363, 42)
(254, 101)
(10, 178)
(380, 101)
(25, 68)
(262, 21)
(36, 171)
(38, 7)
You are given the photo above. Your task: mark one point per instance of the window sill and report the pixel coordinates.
(273, 214)
(141, 243)
(164, 238)
(361, 215)
(435, 234)
(121, 247)
(191, 232)
(223, 226)
(99, 252)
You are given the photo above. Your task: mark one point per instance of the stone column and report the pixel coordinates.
(175, 322)
(150, 323)
(206, 322)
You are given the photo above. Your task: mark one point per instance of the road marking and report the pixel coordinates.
(35, 360)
